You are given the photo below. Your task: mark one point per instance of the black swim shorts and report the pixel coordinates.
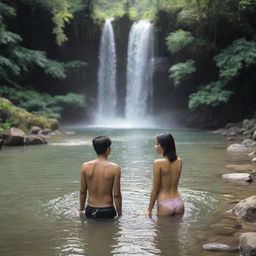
(100, 212)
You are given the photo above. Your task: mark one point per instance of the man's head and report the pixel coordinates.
(101, 144)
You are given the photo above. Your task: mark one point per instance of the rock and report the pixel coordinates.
(254, 160)
(237, 148)
(217, 247)
(34, 140)
(252, 154)
(254, 135)
(248, 226)
(35, 130)
(247, 124)
(4, 100)
(238, 177)
(230, 125)
(14, 137)
(247, 244)
(46, 131)
(249, 143)
(246, 209)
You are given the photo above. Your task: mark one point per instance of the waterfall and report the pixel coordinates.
(139, 71)
(107, 74)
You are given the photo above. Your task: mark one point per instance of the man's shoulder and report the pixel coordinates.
(114, 166)
(87, 164)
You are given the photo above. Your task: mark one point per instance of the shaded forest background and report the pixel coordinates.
(204, 67)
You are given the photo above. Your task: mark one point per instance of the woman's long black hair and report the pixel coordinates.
(167, 143)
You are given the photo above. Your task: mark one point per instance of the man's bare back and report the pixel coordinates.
(101, 178)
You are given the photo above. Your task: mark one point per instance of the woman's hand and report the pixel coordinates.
(147, 213)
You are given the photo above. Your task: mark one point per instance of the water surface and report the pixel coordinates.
(39, 196)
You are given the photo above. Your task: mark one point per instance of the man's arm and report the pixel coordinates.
(117, 191)
(83, 188)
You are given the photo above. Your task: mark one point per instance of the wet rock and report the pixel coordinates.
(254, 135)
(46, 131)
(249, 143)
(217, 247)
(247, 124)
(35, 130)
(229, 196)
(238, 177)
(247, 244)
(14, 137)
(246, 209)
(248, 226)
(34, 140)
(237, 148)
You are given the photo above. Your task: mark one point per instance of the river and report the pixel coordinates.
(39, 198)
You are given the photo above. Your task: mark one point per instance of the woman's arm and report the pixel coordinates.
(155, 186)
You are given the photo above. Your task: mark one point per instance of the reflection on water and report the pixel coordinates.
(39, 196)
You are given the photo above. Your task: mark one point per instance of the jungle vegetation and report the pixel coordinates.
(216, 38)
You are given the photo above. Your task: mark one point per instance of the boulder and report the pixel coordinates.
(247, 244)
(217, 247)
(247, 124)
(246, 209)
(237, 148)
(35, 130)
(14, 137)
(238, 177)
(46, 131)
(254, 135)
(249, 143)
(34, 140)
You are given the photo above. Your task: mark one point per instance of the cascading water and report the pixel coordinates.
(139, 72)
(107, 75)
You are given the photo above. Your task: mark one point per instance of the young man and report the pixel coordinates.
(101, 178)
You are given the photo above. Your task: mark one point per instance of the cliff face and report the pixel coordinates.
(83, 44)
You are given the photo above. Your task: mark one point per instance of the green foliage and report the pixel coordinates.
(210, 95)
(178, 40)
(42, 103)
(239, 56)
(180, 71)
(4, 127)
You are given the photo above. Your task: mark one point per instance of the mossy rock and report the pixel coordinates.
(22, 119)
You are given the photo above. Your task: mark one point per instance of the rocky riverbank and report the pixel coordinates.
(19, 127)
(239, 222)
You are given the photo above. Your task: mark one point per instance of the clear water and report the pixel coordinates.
(39, 196)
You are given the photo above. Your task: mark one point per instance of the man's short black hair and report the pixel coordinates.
(101, 144)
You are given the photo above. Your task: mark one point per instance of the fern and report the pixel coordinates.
(7, 37)
(239, 56)
(210, 95)
(178, 40)
(180, 71)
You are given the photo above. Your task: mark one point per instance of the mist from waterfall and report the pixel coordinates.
(140, 63)
(107, 96)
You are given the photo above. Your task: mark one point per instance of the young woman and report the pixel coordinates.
(166, 175)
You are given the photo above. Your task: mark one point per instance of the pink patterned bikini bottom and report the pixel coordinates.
(174, 204)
